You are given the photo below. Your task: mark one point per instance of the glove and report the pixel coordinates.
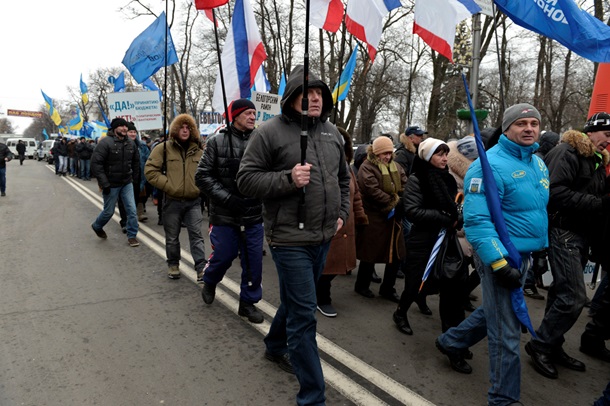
(106, 191)
(508, 277)
(606, 203)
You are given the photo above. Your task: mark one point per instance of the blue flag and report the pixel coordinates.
(45, 134)
(145, 54)
(148, 84)
(118, 82)
(282, 87)
(495, 210)
(104, 115)
(563, 21)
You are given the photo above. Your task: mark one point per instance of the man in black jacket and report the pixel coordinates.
(21, 151)
(577, 204)
(5, 156)
(84, 150)
(115, 163)
(236, 222)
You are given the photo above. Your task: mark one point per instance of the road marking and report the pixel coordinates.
(335, 378)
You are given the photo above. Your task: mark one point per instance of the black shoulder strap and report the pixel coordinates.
(164, 164)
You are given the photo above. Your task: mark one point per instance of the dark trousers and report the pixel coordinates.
(323, 289)
(365, 272)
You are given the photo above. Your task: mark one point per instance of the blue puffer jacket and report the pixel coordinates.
(523, 187)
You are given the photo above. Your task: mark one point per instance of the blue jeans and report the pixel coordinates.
(227, 242)
(126, 193)
(176, 212)
(294, 325)
(85, 169)
(496, 320)
(3, 179)
(72, 165)
(605, 399)
(63, 163)
(567, 294)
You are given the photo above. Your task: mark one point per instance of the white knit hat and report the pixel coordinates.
(428, 147)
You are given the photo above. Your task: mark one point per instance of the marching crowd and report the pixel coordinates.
(422, 208)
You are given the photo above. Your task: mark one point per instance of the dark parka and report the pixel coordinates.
(382, 237)
(405, 153)
(577, 182)
(272, 152)
(179, 180)
(84, 150)
(216, 177)
(5, 152)
(115, 162)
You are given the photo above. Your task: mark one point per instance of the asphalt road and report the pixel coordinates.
(85, 321)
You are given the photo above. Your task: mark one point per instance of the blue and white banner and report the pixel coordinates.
(563, 21)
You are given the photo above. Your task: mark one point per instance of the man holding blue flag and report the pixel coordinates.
(578, 203)
(523, 193)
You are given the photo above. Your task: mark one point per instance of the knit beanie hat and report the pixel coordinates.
(239, 106)
(131, 126)
(598, 122)
(382, 144)
(428, 147)
(467, 146)
(518, 111)
(117, 122)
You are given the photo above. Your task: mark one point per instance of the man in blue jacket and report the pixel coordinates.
(523, 187)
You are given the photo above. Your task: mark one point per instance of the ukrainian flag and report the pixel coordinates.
(77, 122)
(84, 90)
(52, 112)
(341, 89)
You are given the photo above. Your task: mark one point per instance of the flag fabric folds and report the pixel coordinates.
(145, 54)
(104, 116)
(118, 82)
(242, 56)
(436, 28)
(77, 122)
(209, 4)
(54, 114)
(148, 84)
(84, 90)
(495, 210)
(261, 83)
(282, 87)
(326, 14)
(342, 88)
(45, 134)
(364, 20)
(563, 21)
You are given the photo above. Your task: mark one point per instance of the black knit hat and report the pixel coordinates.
(131, 126)
(239, 106)
(598, 122)
(118, 122)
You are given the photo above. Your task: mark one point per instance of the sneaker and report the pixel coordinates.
(173, 272)
(208, 292)
(251, 312)
(282, 360)
(200, 276)
(100, 233)
(532, 292)
(133, 242)
(327, 310)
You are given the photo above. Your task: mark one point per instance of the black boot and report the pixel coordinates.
(594, 346)
(402, 323)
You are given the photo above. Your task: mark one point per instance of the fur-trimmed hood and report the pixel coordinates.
(583, 145)
(406, 141)
(458, 164)
(181, 119)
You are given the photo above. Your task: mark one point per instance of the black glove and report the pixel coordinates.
(508, 277)
(540, 264)
(237, 204)
(606, 202)
(106, 191)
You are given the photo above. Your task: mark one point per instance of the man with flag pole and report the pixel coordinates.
(523, 192)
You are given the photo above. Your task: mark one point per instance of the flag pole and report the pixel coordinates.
(222, 79)
(165, 73)
(304, 115)
(341, 55)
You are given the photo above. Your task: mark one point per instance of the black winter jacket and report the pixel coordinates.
(84, 150)
(5, 152)
(216, 178)
(577, 182)
(115, 162)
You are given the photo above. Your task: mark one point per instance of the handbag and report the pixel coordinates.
(450, 264)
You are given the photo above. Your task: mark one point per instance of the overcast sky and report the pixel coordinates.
(47, 44)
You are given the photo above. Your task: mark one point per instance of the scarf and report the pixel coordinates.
(390, 178)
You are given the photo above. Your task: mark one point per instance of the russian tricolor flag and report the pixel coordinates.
(435, 22)
(364, 20)
(242, 56)
(326, 14)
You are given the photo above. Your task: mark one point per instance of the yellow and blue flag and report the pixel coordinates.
(341, 89)
(84, 90)
(77, 122)
(54, 114)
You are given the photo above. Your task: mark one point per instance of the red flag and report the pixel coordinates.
(209, 4)
(210, 15)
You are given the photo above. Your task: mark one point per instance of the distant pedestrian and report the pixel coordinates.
(21, 151)
(84, 149)
(115, 163)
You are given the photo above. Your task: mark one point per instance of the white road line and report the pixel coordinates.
(342, 383)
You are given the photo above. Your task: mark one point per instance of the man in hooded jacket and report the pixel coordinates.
(271, 171)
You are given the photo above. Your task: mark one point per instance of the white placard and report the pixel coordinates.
(141, 108)
(267, 106)
(486, 7)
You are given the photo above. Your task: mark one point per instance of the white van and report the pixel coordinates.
(30, 146)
